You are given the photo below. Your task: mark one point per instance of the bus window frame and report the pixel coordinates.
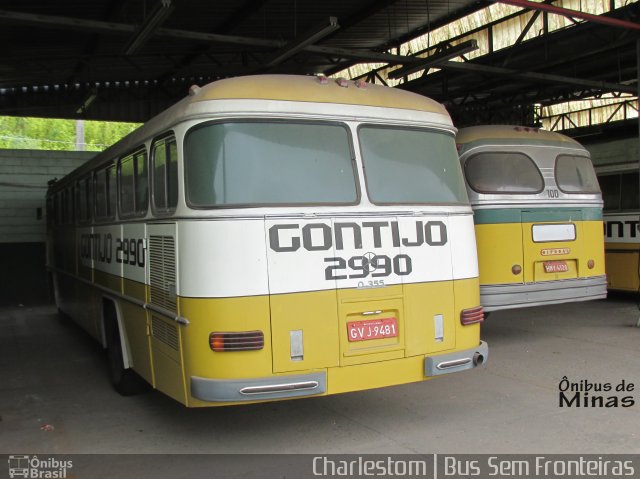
(83, 193)
(511, 192)
(582, 192)
(132, 156)
(111, 215)
(170, 211)
(408, 128)
(342, 124)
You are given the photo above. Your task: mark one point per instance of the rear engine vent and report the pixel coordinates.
(165, 333)
(162, 271)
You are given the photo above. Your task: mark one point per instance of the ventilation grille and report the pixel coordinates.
(162, 271)
(166, 333)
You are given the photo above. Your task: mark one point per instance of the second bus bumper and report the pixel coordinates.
(505, 296)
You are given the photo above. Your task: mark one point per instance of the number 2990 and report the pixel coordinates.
(356, 267)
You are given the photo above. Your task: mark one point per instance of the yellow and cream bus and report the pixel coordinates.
(274, 237)
(538, 216)
(619, 185)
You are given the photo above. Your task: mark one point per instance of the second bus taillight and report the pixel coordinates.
(472, 315)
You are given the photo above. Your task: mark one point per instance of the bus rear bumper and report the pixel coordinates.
(343, 379)
(506, 296)
(456, 361)
(262, 389)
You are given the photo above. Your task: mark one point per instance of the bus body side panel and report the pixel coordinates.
(593, 232)
(107, 270)
(130, 252)
(622, 250)
(499, 249)
(623, 269)
(165, 341)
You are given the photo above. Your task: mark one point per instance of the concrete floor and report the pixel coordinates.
(53, 374)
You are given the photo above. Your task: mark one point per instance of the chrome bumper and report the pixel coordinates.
(456, 361)
(277, 387)
(507, 296)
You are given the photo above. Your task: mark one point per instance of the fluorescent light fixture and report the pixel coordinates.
(87, 103)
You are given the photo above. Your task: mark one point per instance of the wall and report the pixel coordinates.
(613, 151)
(23, 184)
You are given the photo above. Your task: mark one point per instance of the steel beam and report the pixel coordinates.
(435, 59)
(302, 41)
(157, 17)
(567, 12)
(52, 21)
(534, 76)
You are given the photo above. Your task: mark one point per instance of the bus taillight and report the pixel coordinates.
(236, 341)
(472, 315)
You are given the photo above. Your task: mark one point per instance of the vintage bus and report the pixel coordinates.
(619, 185)
(538, 216)
(273, 237)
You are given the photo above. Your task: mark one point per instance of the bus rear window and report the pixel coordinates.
(262, 163)
(411, 166)
(574, 174)
(503, 173)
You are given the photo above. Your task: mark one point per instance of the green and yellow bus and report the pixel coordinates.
(538, 216)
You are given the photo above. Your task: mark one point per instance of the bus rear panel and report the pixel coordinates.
(538, 216)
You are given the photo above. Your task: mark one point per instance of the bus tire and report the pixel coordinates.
(124, 380)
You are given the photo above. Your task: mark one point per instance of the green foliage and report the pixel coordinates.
(52, 134)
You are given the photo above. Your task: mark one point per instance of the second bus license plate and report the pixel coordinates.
(556, 267)
(372, 329)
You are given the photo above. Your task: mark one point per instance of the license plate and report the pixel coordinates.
(372, 329)
(556, 267)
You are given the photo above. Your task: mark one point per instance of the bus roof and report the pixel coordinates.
(510, 135)
(293, 88)
(316, 89)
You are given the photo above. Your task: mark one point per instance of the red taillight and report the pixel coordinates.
(236, 341)
(472, 315)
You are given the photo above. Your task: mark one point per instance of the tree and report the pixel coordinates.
(55, 134)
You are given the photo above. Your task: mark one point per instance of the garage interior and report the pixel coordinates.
(118, 60)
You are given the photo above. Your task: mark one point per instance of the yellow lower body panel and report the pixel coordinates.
(623, 270)
(306, 349)
(375, 375)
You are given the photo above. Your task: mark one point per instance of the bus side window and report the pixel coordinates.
(105, 190)
(80, 205)
(86, 200)
(71, 194)
(165, 174)
(134, 189)
(50, 211)
(58, 208)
